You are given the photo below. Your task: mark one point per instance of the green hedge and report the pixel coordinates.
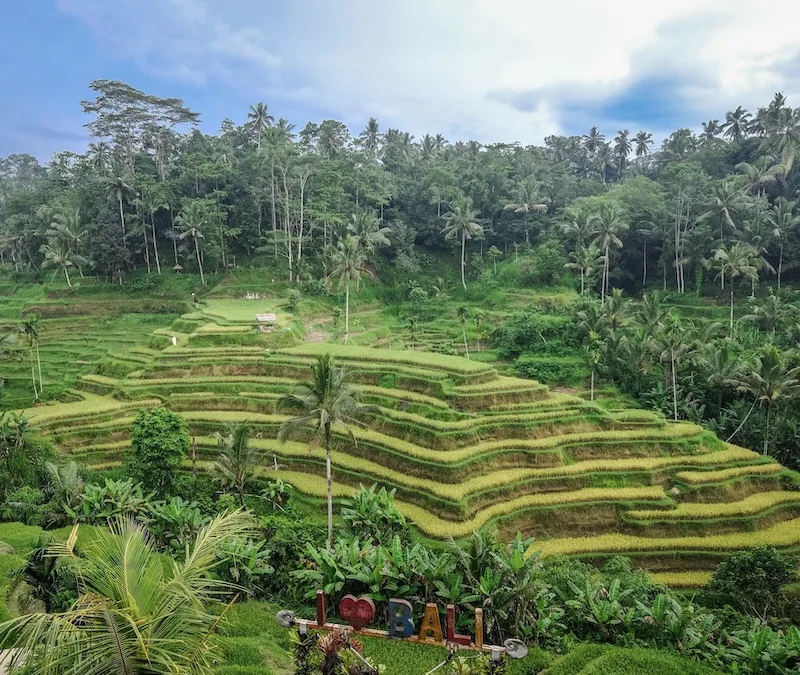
(551, 369)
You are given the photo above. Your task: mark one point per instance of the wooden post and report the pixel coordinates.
(479, 628)
(321, 608)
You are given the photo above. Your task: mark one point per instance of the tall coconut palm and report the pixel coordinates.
(463, 314)
(67, 225)
(580, 225)
(772, 382)
(134, 615)
(31, 327)
(720, 367)
(261, 120)
(784, 222)
(325, 402)
(710, 136)
(190, 222)
(367, 231)
(460, 224)
(439, 142)
(99, 156)
(348, 265)
(371, 137)
(121, 191)
(527, 201)
(427, 148)
(593, 140)
(643, 141)
(674, 346)
(727, 202)
(622, 148)
(605, 159)
(736, 124)
(284, 129)
(737, 260)
(152, 202)
(610, 224)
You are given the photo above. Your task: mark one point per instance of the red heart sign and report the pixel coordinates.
(358, 612)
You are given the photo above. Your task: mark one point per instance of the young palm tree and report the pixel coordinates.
(237, 459)
(463, 314)
(348, 265)
(674, 345)
(460, 224)
(728, 201)
(760, 174)
(57, 253)
(710, 136)
(593, 140)
(120, 191)
(771, 382)
(134, 614)
(31, 328)
(367, 231)
(720, 367)
(784, 223)
(736, 124)
(189, 222)
(67, 226)
(738, 260)
(609, 224)
(580, 225)
(259, 117)
(325, 402)
(587, 260)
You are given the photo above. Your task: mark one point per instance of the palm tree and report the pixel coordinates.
(760, 174)
(580, 224)
(348, 265)
(604, 159)
(771, 382)
(622, 148)
(99, 155)
(736, 124)
(460, 224)
(773, 313)
(134, 614)
(367, 231)
(439, 142)
(57, 253)
(371, 137)
(734, 261)
(587, 260)
(728, 200)
(67, 226)
(720, 367)
(527, 202)
(237, 459)
(30, 328)
(427, 148)
(710, 136)
(643, 142)
(325, 402)
(463, 315)
(593, 140)
(673, 345)
(261, 120)
(784, 222)
(153, 202)
(190, 221)
(284, 129)
(610, 224)
(119, 190)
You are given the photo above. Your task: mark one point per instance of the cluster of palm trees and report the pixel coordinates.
(697, 361)
(378, 144)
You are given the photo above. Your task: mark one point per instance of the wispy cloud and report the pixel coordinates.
(496, 70)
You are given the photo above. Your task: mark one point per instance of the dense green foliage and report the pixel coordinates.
(159, 444)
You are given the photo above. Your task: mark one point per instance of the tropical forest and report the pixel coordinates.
(275, 395)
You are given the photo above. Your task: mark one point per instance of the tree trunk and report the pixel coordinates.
(463, 258)
(66, 274)
(155, 243)
(199, 262)
(33, 377)
(731, 309)
(582, 282)
(780, 265)
(644, 264)
(146, 249)
(347, 311)
(329, 480)
(591, 386)
(464, 333)
(39, 363)
(272, 206)
(674, 387)
(122, 215)
(766, 429)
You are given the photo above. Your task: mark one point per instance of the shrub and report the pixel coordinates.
(159, 444)
(551, 370)
(538, 333)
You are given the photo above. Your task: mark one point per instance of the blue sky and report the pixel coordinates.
(494, 70)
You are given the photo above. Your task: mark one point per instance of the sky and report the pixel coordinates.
(490, 70)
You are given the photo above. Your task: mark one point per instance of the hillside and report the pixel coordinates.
(463, 445)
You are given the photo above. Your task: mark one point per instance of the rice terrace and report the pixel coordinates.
(503, 382)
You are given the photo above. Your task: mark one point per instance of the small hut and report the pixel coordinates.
(266, 322)
(178, 268)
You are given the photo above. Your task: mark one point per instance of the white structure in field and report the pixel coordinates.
(266, 322)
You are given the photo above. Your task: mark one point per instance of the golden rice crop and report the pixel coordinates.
(690, 579)
(781, 535)
(749, 506)
(722, 475)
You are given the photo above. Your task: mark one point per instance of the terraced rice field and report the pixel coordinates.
(464, 447)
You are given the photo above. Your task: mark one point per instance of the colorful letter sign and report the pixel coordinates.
(400, 623)
(431, 628)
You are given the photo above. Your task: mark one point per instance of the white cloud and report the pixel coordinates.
(460, 67)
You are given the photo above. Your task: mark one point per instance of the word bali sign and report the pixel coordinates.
(359, 613)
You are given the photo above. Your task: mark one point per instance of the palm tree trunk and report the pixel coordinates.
(742, 423)
(731, 309)
(33, 377)
(329, 481)
(644, 264)
(39, 363)
(347, 311)
(66, 274)
(766, 430)
(464, 333)
(463, 258)
(155, 243)
(674, 387)
(591, 386)
(582, 281)
(780, 265)
(121, 215)
(146, 249)
(199, 262)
